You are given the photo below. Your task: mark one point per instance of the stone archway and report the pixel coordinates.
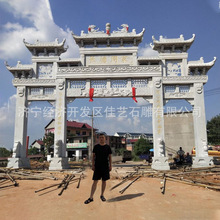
(109, 67)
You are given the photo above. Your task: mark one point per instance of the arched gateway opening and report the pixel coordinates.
(109, 67)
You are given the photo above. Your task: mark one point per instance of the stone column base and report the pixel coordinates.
(59, 163)
(16, 162)
(202, 162)
(160, 163)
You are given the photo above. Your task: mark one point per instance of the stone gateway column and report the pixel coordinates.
(60, 161)
(201, 159)
(160, 161)
(19, 159)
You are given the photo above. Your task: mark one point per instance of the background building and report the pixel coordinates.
(39, 144)
(179, 132)
(129, 139)
(115, 142)
(78, 137)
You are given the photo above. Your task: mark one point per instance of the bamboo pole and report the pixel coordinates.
(123, 190)
(66, 184)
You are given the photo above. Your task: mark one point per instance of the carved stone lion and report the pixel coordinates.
(16, 149)
(161, 147)
(205, 147)
(58, 148)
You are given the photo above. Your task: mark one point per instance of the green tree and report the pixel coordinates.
(33, 151)
(4, 152)
(213, 130)
(120, 151)
(48, 142)
(142, 146)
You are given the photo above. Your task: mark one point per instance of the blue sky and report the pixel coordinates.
(46, 20)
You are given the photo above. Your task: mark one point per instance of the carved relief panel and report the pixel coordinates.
(174, 67)
(45, 70)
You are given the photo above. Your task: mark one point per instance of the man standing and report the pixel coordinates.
(101, 165)
(181, 153)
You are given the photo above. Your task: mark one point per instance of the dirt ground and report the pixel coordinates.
(142, 200)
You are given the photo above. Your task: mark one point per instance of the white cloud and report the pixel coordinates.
(147, 51)
(142, 102)
(41, 26)
(7, 121)
(33, 20)
(136, 122)
(7, 115)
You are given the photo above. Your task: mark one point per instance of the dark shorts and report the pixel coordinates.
(101, 174)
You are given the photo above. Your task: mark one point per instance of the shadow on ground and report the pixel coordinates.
(125, 197)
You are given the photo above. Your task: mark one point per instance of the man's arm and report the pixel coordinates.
(93, 161)
(110, 162)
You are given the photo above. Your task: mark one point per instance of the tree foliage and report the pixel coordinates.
(213, 130)
(33, 151)
(142, 146)
(48, 142)
(4, 152)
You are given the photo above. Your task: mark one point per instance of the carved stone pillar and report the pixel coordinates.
(160, 161)
(201, 159)
(19, 159)
(60, 161)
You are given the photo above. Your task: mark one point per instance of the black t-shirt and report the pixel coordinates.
(102, 156)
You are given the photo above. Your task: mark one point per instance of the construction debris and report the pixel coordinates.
(164, 184)
(125, 180)
(66, 183)
(202, 177)
(126, 187)
(79, 180)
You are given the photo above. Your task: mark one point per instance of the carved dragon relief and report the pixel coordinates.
(92, 30)
(124, 29)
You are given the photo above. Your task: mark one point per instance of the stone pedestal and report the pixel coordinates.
(18, 163)
(160, 163)
(78, 155)
(59, 163)
(202, 162)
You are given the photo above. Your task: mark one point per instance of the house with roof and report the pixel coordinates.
(78, 137)
(39, 144)
(130, 138)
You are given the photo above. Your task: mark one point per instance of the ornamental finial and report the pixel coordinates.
(108, 28)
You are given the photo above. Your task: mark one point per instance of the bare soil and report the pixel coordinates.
(142, 200)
